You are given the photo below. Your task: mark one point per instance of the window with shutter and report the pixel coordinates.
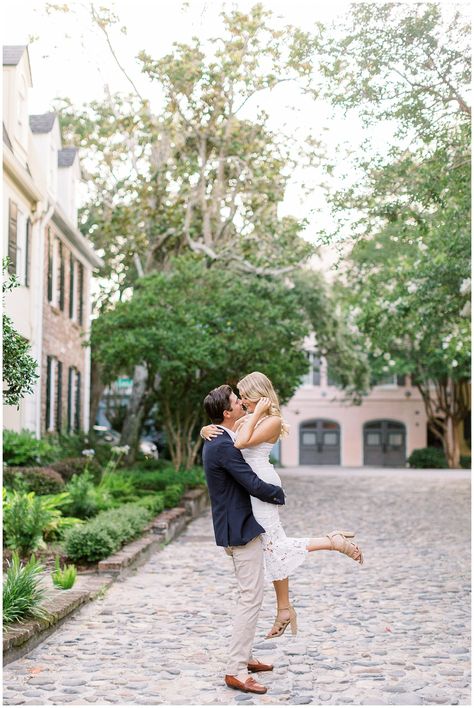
(50, 265)
(48, 392)
(81, 294)
(61, 276)
(70, 399)
(28, 252)
(71, 287)
(78, 402)
(12, 235)
(59, 402)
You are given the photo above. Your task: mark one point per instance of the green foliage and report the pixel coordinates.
(19, 367)
(41, 480)
(82, 501)
(22, 594)
(24, 520)
(407, 285)
(105, 534)
(172, 495)
(70, 466)
(63, 577)
(24, 450)
(198, 327)
(160, 479)
(428, 458)
(465, 461)
(154, 502)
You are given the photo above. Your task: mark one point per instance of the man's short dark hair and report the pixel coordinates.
(218, 401)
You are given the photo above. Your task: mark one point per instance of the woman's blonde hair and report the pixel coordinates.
(255, 386)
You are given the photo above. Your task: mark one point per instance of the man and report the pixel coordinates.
(230, 481)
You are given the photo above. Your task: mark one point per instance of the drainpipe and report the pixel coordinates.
(41, 219)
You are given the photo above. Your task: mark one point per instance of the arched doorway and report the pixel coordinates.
(385, 443)
(320, 442)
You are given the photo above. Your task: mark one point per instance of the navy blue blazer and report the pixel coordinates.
(230, 481)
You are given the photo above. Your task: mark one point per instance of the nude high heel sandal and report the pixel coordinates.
(342, 545)
(280, 625)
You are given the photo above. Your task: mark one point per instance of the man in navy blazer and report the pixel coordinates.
(231, 481)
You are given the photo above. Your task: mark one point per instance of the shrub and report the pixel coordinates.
(117, 485)
(466, 462)
(428, 458)
(24, 519)
(103, 535)
(22, 594)
(63, 577)
(154, 502)
(82, 496)
(41, 480)
(23, 449)
(71, 466)
(158, 480)
(172, 495)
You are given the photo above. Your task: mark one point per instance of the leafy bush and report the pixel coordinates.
(41, 480)
(63, 577)
(466, 462)
(158, 480)
(106, 533)
(82, 496)
(22, 594)
(428, 458)
(154, 502)
(172, 495)
(57, 524)
(23, 449)
(117, 485)
(24, 519)
(70, 466)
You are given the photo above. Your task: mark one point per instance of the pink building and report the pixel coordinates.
(325, 430)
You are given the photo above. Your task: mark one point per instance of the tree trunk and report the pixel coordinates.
(97, 389)
(135, 413)
(452, 443)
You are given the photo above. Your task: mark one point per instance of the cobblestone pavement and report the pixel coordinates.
(394, 631)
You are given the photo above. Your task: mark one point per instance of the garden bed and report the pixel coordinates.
(20, 637)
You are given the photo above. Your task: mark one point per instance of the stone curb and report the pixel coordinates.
(20, 638)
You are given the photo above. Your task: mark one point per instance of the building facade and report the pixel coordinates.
(325, 430)
(53, 261)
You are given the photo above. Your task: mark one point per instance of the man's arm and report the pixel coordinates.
(235, 464)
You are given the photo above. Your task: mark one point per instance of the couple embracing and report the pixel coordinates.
(245, 492)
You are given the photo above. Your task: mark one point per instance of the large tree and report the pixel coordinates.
(201, 173)
(408, 273)
(193, 328)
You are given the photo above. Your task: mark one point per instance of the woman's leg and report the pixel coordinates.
(282, 593)
(338, 543)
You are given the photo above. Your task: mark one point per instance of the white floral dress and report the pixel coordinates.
(282, 554)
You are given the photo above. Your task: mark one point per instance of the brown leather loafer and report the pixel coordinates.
(257, 665)
(249, 686)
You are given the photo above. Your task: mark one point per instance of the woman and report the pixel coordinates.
(257, 432)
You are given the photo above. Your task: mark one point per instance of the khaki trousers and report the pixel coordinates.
(248, 566)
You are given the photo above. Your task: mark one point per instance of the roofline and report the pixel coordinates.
(76, 237)
(20, 176)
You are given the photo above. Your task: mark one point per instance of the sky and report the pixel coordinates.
(68, 59)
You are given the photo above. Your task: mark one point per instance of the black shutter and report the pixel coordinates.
(48, 391)
(12, 235)
(50, 266)
(71, 287)
(59, 407)
(81, 295)
(61, 276)
(28, 252)
(78, 402)
(70, 401)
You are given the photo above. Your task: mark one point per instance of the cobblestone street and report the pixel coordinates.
(394, 631)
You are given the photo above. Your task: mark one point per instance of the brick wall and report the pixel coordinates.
(63, 337)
